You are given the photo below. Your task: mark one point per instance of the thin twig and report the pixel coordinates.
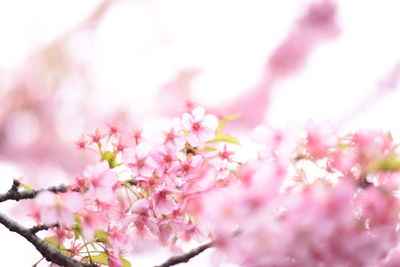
(186, 256)
(42, 227)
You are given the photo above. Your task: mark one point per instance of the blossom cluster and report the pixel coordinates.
(326, 201)
(311, 197)
(144, 192)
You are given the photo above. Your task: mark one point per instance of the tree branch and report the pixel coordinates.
(49, 253)
(42, 227)
(14, 194)
(186, 256)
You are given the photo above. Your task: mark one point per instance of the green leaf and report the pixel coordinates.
(226, 120)
(390, 163)
(226, 138)
(102, 236)
(210, 148)
(53, 242)
(125, 262)
(77, 226)
(101, 258)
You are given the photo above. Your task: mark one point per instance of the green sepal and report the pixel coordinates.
(110, 158)
(27, 187)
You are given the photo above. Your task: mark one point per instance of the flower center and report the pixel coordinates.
(196, 126)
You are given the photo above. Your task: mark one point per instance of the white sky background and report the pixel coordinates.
(143, 44)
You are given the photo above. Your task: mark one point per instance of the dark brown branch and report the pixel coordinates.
(42, 227)
(15, 185)
(49, 253)
(186, 256)
(14, 194)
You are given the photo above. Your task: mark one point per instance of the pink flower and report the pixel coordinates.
(102, 180)
(320, 137)
(175, 137)
(118, 237)
(113, 260)
(164, 159)
(97, 136)
(201, 128)
(141, 217)
(81, 143)
(119, 146)
(343, 160)
(162, 201)
(196, 231)
(225, 154)
(187, 170)
(113, 129)
(139, 162)
(59, 208)
(371, 145)
(137, 136)
(168, 228)
(91, 221)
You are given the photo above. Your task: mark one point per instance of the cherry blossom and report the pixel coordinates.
(308, 197)
(200, 127)
(59, 208)
(102, 180)
(140, 162)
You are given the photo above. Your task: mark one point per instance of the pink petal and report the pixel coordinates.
(193, 140)
(49, 216)
(198, 113)
(140, 206)
(66, 218)
(206, 135)
(88, 232)
(187, 121)
(105, 194)
(211, 122)
(180, 141)
(46, 198)
(73, 201)
(147, 171)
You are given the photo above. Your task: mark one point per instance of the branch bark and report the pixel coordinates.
(14, 194)
(186, 256)
(42, 227)
(49, 253)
